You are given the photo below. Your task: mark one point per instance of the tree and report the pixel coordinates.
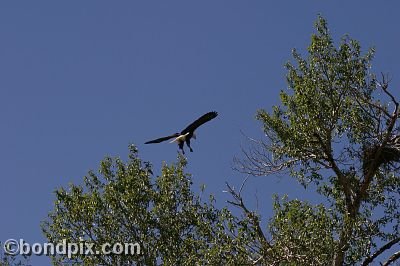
(126, 204)
(335, 131)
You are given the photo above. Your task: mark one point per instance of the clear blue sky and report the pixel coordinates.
(82, 79)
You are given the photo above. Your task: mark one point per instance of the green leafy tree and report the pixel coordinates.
(126, 204)
(336, 131)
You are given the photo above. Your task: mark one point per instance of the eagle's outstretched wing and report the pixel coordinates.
(162, 139)
(203, 119)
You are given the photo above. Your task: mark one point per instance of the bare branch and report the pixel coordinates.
(374, 165)
(258, 260)
(253, 218)
(258, 160)
(385, 247)
(384, 85)
(243, 183)
(393, 258)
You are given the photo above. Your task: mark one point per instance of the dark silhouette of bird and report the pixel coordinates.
(187, 133)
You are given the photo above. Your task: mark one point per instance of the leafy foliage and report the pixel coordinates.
(126, 205)
(337, 129)
(301, 233)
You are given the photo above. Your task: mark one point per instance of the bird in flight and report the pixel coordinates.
(187, 133)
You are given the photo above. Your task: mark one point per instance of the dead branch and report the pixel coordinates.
(238, 201)
(392, 259)
(385, 247)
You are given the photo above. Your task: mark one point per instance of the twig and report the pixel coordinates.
(385, 247)
(253, 218)
(393, 258)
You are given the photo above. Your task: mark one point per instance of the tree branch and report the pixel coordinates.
(258, 161)
(253, 218)
(338, 172)
(374, 165)
(385, 247)
(393, 258)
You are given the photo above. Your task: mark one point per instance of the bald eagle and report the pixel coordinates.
(187, 133)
